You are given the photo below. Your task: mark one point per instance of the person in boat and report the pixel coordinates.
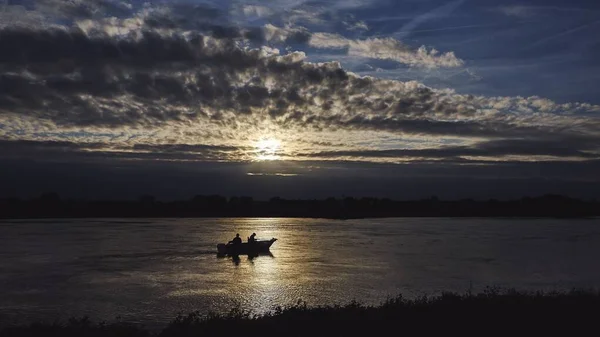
(237, 240)
(252, 238)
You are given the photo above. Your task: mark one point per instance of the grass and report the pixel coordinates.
(493, 312)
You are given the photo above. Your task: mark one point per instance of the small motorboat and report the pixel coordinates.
(246, 248)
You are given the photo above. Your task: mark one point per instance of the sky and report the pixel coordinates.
(300, 99)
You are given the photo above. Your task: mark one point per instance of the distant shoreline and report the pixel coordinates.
(591, 217)
(51, 206)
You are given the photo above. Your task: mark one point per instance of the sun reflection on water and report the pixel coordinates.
(265, 279)
(295, 270)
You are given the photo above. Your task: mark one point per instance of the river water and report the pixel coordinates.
(149, 270)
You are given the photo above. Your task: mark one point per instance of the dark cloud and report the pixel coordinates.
(60, 50)
(68, 151)
(47, 72)
(74, 78)
(205, 19)
(496, 148)
(188, 148)
(300, 36)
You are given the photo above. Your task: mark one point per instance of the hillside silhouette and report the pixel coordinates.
(50, 205)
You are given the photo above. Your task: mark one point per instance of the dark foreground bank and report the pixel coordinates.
(491, 313)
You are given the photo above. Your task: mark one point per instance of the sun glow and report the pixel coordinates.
(267, 149)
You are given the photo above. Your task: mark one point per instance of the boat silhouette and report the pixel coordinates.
(246, 248)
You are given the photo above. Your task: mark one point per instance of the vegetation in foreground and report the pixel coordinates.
(493, 312)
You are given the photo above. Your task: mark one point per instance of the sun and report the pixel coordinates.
(268, 145)
(267, 148)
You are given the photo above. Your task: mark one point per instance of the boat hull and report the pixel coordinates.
(245, 248)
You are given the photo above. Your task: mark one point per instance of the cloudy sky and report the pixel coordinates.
(402, 99)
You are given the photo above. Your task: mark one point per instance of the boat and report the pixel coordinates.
(246, 248)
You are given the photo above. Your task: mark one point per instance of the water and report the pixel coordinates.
(148, 271)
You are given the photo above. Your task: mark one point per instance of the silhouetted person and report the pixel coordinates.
(237, 240)
(252, 238)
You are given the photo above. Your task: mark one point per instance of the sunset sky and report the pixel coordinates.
(402, 99)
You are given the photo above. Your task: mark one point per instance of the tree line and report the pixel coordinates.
(50, 205)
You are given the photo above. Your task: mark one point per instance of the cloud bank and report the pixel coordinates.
(154, 82)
